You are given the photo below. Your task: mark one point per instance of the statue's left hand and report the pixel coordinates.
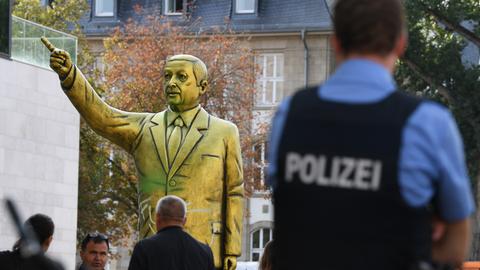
(230, 263)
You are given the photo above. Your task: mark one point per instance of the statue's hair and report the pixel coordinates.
(199, 68)
(171, 207)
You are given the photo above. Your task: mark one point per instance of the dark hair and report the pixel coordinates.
(43, 227)
(368, 26)
(96, 237)
(268, 258)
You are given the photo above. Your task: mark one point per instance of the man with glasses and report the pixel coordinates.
(94, 252)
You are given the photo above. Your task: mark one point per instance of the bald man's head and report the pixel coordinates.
(171, 210)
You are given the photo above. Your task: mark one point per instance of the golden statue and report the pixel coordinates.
(182, 151)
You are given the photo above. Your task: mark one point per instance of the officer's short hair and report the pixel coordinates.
(172, 207)
(368, 26)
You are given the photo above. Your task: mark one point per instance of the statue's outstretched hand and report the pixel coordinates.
(60, 60)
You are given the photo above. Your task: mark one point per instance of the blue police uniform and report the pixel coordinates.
(425, 165)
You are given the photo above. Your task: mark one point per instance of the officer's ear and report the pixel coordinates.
(203, 86)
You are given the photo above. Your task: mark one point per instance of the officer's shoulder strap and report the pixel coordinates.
(409, 103)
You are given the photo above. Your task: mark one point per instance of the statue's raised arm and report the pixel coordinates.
(122, 128)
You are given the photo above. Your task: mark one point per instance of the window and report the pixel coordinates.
(173, 7)
(245, 6)
(265, 209)
(259, 240)
(270, 79)
(104, 8)
(260, 163)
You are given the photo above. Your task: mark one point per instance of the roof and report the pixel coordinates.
(271, 16)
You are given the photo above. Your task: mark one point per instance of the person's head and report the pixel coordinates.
(94, 251)
(185, 80)
(371, 28)
(267, 260)
(43, 227)
(171, 211)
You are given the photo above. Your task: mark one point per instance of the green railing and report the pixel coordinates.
(27, 47)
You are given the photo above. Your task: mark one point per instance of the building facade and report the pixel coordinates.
(39, 150)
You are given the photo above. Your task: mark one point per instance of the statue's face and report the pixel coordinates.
(180, 85)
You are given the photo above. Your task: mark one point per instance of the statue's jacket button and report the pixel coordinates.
(172, 183)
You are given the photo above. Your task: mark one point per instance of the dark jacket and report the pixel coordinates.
(171, 249)
(12, 260)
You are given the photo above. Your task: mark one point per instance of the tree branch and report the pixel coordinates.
(452, 26)
(445, 92)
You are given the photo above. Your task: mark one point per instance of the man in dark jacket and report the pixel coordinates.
(43, 228)
(171, 248)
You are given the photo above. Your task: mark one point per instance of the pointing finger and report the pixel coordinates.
(47, 44)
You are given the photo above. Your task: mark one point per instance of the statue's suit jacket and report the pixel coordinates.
(206, 172)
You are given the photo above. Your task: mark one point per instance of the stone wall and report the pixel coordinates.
(39, 151)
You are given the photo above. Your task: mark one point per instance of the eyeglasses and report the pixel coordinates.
(96, 237)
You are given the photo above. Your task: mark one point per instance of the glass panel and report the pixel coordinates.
(259, 66)
(270, 63)
(279, 72)
(245, 6)
(104, 7)
(278, 92)
(266, 236)
(27, 47)
(178, 6)
(269, 93)
(174, 6)
(255, 257)
(256, 239)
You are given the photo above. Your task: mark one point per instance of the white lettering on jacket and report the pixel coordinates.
(342, 172)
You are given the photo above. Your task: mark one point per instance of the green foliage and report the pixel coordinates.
(433, 66)
(60, 15)
(107, 195)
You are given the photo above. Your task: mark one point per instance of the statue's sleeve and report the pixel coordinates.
(235, 194)
(120, 127)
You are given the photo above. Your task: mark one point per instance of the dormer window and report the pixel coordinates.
(245, 6)
(173, 7)
(104, 8)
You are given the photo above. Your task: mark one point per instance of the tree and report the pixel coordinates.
(436, 65)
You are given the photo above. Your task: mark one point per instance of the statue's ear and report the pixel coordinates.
(203, 87)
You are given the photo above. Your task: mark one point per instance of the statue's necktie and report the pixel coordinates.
(175, 139)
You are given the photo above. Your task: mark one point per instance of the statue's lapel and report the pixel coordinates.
(199, 123)
(158, 134)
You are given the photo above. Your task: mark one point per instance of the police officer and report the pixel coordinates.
(359, 170)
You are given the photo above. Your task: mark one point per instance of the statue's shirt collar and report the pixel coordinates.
(187, 116)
